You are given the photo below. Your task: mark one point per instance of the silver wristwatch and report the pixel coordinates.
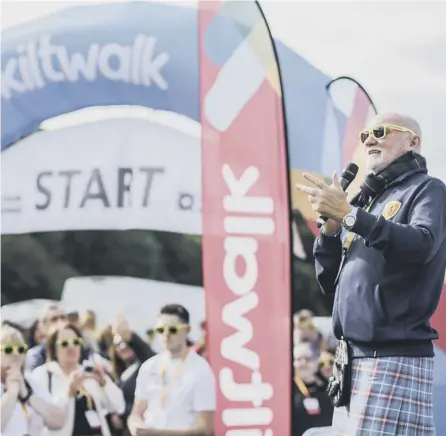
(350, 219)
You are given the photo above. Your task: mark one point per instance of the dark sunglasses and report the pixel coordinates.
(16, 349)
(67, 342)
(171, 329)
(380, 131)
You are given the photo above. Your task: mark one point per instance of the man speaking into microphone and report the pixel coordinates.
(384, 256)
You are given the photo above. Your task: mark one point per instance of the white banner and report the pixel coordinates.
(109, 175)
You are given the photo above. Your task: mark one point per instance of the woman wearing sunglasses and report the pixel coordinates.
(86, 392)
(326, 361)
(26, 406)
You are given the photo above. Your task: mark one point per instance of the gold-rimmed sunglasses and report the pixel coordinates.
(172, 329)
(15, 349)
(76, 342)
(380, 131)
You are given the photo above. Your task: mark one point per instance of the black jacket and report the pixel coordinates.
(392, 277)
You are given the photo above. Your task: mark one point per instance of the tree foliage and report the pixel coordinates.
(37, 265)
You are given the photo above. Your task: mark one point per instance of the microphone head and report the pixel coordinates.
(350, 172)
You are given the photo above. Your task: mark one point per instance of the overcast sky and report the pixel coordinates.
(397, 50)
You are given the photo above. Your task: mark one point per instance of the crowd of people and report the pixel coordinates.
(64, 377)
(313, 365)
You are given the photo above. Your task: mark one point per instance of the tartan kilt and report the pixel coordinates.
(390, 396)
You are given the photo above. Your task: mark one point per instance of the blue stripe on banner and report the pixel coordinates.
(306, 98)
(219, 49)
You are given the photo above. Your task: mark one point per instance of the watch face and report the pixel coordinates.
(350, 221)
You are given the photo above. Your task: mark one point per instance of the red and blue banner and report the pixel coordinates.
(246, 222)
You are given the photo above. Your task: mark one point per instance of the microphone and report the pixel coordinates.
(347, 177)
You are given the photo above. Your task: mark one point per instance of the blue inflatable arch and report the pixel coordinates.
(136, 53)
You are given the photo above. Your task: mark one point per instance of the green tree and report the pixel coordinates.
(37, 265)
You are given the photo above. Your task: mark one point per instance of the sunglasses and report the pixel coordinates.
(171, 329)
(380, 131)
(120, 345)
(77, 342)
(15, 349)
(326, 362)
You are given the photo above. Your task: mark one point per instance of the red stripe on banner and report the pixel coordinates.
(246, 259)
(439, 320)
(312, 225)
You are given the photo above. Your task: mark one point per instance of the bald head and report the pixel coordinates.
(399, 120)
(52, 314)
(406, 136)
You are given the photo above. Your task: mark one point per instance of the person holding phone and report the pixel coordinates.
(86, 392)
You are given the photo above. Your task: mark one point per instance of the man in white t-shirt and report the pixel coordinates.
(175, 390)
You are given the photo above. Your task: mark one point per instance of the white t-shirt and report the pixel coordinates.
(189, 387)
(20, 423)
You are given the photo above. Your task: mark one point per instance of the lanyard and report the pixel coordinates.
(301, 386)
(84, 393)
(166, 389)
(25, 410)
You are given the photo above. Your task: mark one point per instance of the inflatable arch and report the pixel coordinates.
(66, 62)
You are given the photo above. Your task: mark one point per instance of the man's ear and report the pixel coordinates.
(415, 142)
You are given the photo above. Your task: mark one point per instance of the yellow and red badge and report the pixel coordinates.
(391, 209)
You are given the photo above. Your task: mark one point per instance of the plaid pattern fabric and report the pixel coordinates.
(390, 396)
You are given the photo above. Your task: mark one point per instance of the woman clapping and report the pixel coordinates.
(26, 406)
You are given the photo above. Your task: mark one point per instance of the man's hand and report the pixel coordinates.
(135, 422)
(328, 201)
